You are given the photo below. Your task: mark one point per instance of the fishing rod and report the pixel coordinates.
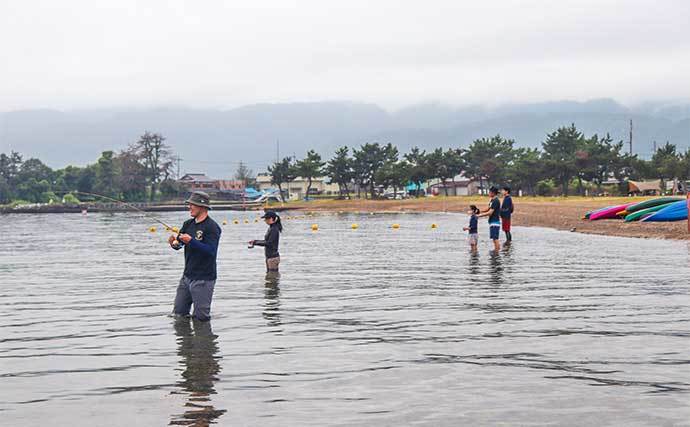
(146, 214)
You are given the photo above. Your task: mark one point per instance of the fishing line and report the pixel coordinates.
(143, 212)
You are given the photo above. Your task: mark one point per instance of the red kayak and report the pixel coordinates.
(609, 213)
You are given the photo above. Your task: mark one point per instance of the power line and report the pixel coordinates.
(224, 162)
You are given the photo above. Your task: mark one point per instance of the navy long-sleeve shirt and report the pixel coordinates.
(200, 253)
(507, 207)
(473, 224)
(270, 242)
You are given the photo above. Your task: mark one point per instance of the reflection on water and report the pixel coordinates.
(199, 359)
(371, 326)
(496, 262)
(473, 264)
(271, 311)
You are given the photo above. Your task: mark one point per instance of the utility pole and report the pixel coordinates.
(178, 159)
(277, 150)
(654, 147)
(630, 140)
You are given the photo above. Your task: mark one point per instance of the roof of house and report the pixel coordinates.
(196, 177)
(451, 184)
(641, 186)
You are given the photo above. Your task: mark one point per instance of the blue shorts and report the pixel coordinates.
(494, 230)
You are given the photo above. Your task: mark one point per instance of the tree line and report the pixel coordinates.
(567, 160)
(141, 172)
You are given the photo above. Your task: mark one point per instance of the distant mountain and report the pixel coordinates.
(213, 141)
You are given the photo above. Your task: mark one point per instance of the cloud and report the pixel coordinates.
(75, 54)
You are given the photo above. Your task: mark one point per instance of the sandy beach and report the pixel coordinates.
(562, 213)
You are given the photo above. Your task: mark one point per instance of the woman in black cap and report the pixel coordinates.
(271, 241)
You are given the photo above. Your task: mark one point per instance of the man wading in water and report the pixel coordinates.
(493, 212)
(506, 212)
(199, 236)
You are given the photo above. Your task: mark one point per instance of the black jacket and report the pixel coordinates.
(200, 253)
(507, 207)
(270, 242)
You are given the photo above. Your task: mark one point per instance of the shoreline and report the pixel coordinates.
(115, 207)
(561, 213)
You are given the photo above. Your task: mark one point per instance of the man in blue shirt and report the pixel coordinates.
(506, 213)
(199, 236)
(493, 212)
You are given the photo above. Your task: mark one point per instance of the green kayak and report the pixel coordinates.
(651, 203)
(638, 215)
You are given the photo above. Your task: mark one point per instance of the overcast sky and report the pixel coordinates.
(73, 54)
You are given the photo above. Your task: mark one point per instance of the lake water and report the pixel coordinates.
(372, 326)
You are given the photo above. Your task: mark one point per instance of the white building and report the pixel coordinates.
(297, 189)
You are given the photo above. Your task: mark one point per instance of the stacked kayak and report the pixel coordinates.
(652, 203)
(641, 214)
(608, 212)
(644, 209)
(588, 214)
(676, 211)
(659, 209)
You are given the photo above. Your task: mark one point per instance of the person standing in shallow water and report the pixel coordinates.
(199, 236)
(271, 241)
(493, 212)
(506, 213)
(473, 236)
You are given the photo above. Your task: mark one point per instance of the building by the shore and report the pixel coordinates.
(297, 188)
(458, 186)
(221, 189)
(197, 182)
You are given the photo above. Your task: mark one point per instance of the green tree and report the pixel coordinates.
(282, 172)
(630, 167)
(244, 174)
(67, 178)
(156, 157)
(10, 166)
(5, 191)
(9, 171)
(545, 187)
(489, 158)
(359, 173)
(440, 166)
(34, 168)
(131, 179)
(559, 154)
(87, 179)
(418, 170)
(605, 159)
(170, 188)
(685, 166)
(33, 190)
(526, 170)
(339, 170)
(455, 162)
(368, 160)
(666, 163)
(393, 174)
(34, 181)
(310, 167)
(106, 174)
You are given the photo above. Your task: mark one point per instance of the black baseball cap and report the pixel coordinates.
(269, 214)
